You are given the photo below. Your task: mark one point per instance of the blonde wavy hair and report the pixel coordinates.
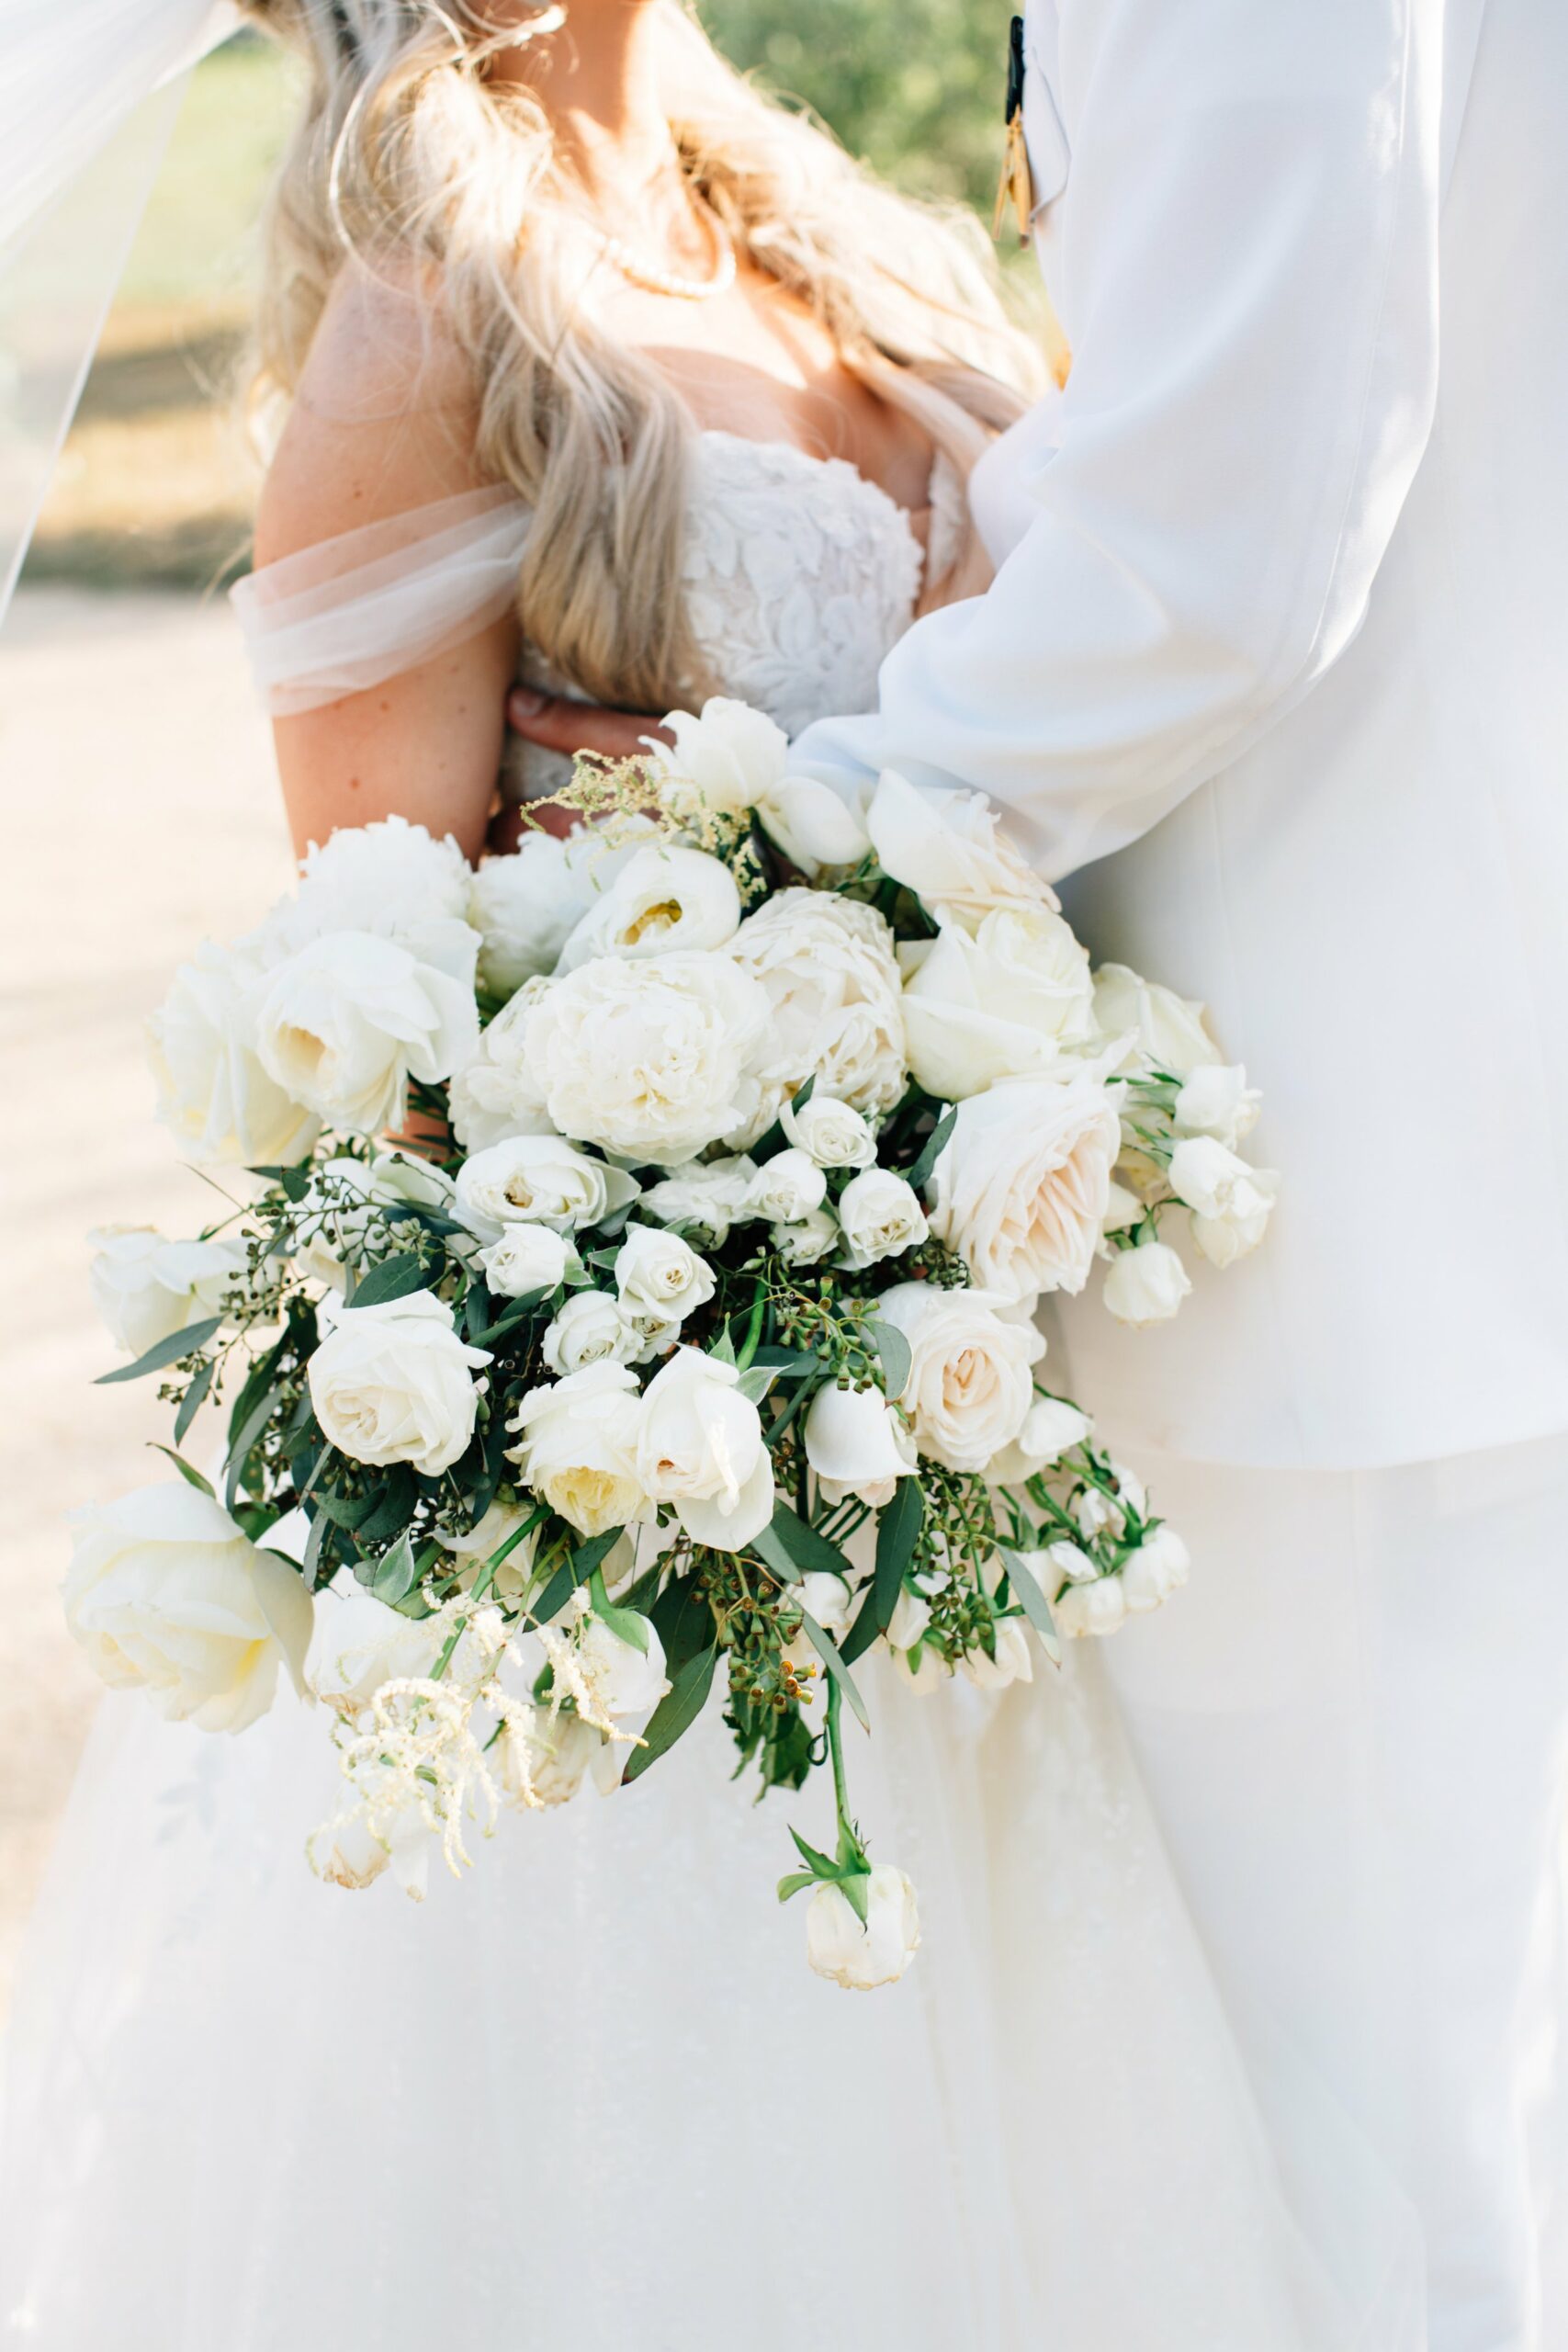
(407, 155)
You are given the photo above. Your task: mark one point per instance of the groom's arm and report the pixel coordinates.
(1247, 267)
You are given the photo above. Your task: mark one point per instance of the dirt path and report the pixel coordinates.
(139, 812)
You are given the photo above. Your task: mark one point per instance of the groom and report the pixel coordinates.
(1276, 666)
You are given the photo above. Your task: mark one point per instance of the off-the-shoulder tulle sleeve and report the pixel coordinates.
(362, 608)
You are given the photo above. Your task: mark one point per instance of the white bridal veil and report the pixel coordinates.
(88, 94)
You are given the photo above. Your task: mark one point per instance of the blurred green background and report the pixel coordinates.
(155, 483)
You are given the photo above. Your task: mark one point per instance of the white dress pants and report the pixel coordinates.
(1354, 1730)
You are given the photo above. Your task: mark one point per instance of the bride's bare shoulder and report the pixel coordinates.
(382, 420)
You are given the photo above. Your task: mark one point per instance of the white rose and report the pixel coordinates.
(700, 1449)
(577, 1447)
(1020, 1188)
(389, 878)
(1157, 1569)
(146, 1289)
(833, 1135)
(1231, 1203)
(345, 1022)
(529, 1258)
(907, 1625)
(347, 1852)
(1123, 1208)
(1097, 1512)
(1005, 1002)
(788, 1187)
(1013, 1661)
(665, 899)
(394, 1383)
(881, 1216)
(167, 1595)
(213, 1093)
(1063, 1559)
(658, 1274)
(623, 1680)
(539, 1180)
(1168, 1031)
(806, 1240)
(1052, 1427)
(969, 1390)
(653, 1060)
(591, 1328)
(1146, 1284)
(830, 1600)
(360, 1644)
(950, 850)
(854, 1443)
(501, 1522)
(525, 906)
(860, 1957)
(828, 968)
(732, 759)
(542, 1758)
(708, 1197)
(1217, 1101)
(1096, 1608)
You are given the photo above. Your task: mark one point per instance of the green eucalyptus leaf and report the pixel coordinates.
(163, 1352)
(897, 1528)
(893, 1349)
(1034, 1604)
(936, 1143)
(770, 1548)
(393, 1278)
(807, 1545)
(397, 1572)
(191, 1403)
(756, 1381)
(192, 1477)
(676, 1712)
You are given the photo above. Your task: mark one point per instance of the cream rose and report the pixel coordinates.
(1020, 1189)
(788, 1187)
(165, 1594)
(968, 1389)
(665, 900)
(860, 1957)
(829, 1131)
(1231, 1203)
(539, 1180)
(950, 849)
(347, 1021)
(700, 1449)
(394, 1383)
(731, 759)
(881, 1216)
(1006, 1002)
(856, 1445)
(577, 1447)
(831, 978)
(214, 1094)
(1217, 1101)
(658, 1274)
(1051, 1428)
(146, 1289)
(1168, 1031)
(592, 1328)
(528, 1258)
(1157, 1569)
(1146, 1284)
(806, 1240)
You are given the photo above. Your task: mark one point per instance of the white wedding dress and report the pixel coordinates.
(590, 2094)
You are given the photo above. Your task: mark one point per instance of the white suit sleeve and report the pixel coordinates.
(1244, 254)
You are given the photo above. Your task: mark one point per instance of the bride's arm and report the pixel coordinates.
(383, 424)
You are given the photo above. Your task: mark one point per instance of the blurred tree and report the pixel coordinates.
(915, 86)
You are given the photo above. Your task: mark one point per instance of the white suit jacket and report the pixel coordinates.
(1279, 652)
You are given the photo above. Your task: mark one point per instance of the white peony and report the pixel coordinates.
(1146, 1284)
(788, 1187)
(1231, 1203)
(1021, 1186)
(1157, 1569)
(834, 1135)
(345, 1022)
(860, 1957)
(950, 850)
(1168, 1031)
(1005, 1002)
(494, 1096)
(831, 978)
(525, 906)
(577, 1447)
(389, 878)
(700, 1449)
(658, 1274)
(592, 1328)
(1011, 1660)
(167, 1595)
(1217, 1101)
(539, 1180)
(856, 1444)
(394, 1383)
(881, 1216)
(653, 1060)
(806, 1240)
(213, 1091)
(529, 1258)
(1051, 1428)
(146, 1289)
(968, 1390)
(708, 1197)
(665, 899)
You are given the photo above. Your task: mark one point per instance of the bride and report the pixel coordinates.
(604, 374)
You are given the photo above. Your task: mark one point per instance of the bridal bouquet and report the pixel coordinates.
(686, 1335)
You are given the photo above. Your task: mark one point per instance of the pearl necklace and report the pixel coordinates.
(638, 270)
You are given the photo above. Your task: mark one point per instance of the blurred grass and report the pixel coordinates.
(155, 485)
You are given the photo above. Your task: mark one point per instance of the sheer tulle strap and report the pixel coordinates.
(362, 608)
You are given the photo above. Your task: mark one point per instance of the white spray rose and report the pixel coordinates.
(1231, 1203)
(529, 1258)
(1013, 1661)
(494, 1094)
(1146, 1284)
(577, 1447)
(1157, 1569)
(1020, 1188)
(829, 1599)
(394, 1383)
(347, 1021)
(1051, 1428)
(708, 1197)
(665, 900)
(1217, 1101)
(881, 1216)
(1064, 1559)
(167, 1595)
(653, 1060)
(1006, 1003)
(834, 1135)
(855, 1445)
(1096, 1608)
(213, 1091)
(860, 1957)
(591, 1328)
(539, 1180)
(806, 1240)
(1168, 1030)
(146, 1289)
(950, 848)
(732, 759)
(968, 1390)
(701, 1450)
(788, 1187)
(830, 977)
(658, 1274)
(1123, 1208)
